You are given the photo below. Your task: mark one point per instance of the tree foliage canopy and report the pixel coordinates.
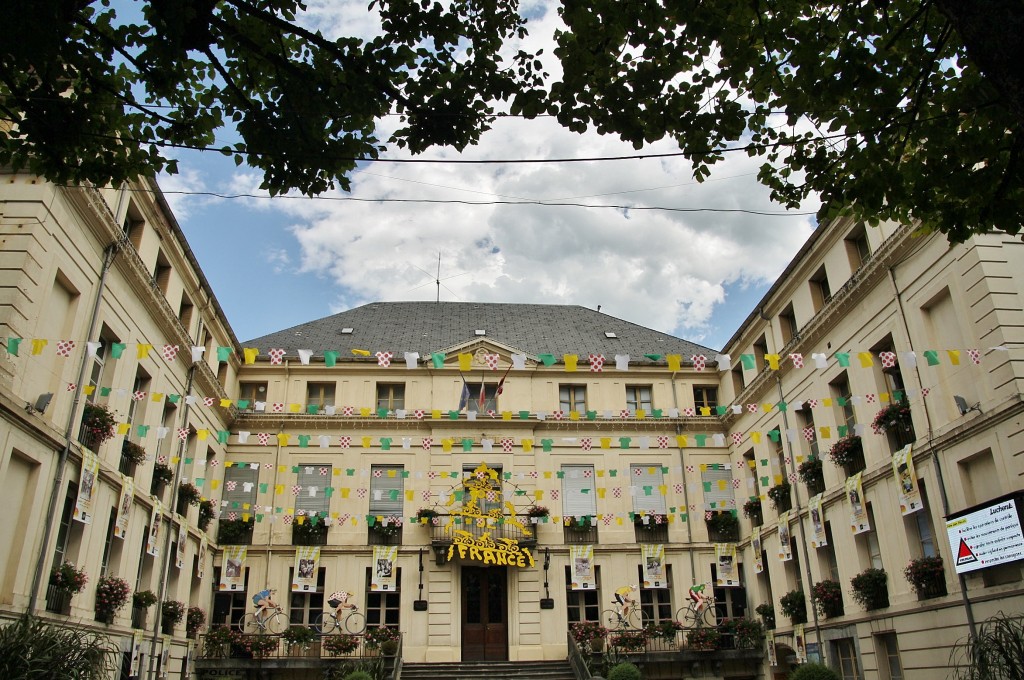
(887, 109)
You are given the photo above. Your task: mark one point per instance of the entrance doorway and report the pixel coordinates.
(484, 614)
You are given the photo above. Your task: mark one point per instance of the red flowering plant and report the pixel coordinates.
(195, 617)
(587, 631)
(895, 416)
(846, 450)
(97, 425)
(68, 578)
(111, 594)
(827, 596)
(377, 635)
(260, 646)
(703, 639)
(630, 640)
(339, 645)
(926, 576)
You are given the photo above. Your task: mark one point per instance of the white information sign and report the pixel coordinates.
(986, 537)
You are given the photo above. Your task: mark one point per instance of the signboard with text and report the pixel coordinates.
(987, 535)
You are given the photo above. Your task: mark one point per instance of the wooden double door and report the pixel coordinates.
(484, 614)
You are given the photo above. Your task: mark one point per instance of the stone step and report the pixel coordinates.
(491, 670)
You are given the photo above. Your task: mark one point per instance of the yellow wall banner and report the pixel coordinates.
(136, 665)
(232, 575)
(653, 556)
(858, 511)
(769, 640)
(757, 548)
(201, 557)
(383, 579)
(726, 574)
(800, 643)
(818, 537)
(906, 481)
(156, 520)
(86, 487)
(179, 556)
(124, 506)
(785, 545)
(304, 572)
(582, 567)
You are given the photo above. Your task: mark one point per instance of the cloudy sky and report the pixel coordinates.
(694, 271)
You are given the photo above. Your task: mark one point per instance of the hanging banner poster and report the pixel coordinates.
(769, 640)
(906, 481)
(858, 510)
(726, 574)
(201, 557)
(136, 665)
(800, 643)
(757, 548)
(582, 567)
(785, 544)
(304, 572)
(190, 658)
(156, 520)
(384, 557)
(179, 554)
(653, 559)
(817, 513)
(124, 507)
(87, 487)
(165, 656)
(232, 575)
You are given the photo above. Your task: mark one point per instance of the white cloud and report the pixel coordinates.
(180, 190)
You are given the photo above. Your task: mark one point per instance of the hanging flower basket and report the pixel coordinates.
(206, 513)
(133, 453)
(794, 606)
(426, 515)
(812, 475)
(188, 494)
(893, 418)
(827, 596)
(143, 599)
(161, 475)
(767, 614)
(68, 578)
(926, 576)
(870, 589)
(580, 523)
(537, 511)
(847, 451)
(171, 612)
(746, 633)
(780, 498)
(752, 510)
(97, 425)
(723, 526)
(111, 594)
(194, 620)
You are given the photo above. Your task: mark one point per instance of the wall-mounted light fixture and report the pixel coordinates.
(961, 405)
(420, 605)
(546, 602)
(41, 403)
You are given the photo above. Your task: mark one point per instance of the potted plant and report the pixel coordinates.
(426, 515)
(794, 606)
(97, 425)
(195, 617)
(667, 629)
(870, 589)
(752, 511)
(171, 612)
(339, 645)
(375, 635)
(536, 513)
(234, 531)
(723, 526)
(580, 523)
(894, 417)
(111, 594)
(590, 633)
(188, 494)
(389, 647)
(309, 532)
(811, 474)
(629, 640)
(68, 579)
(848, 453)
(132, 453)
(299, 639)
(218, 642)
(926, 576)
(161, 475)
(206, 513)
(746, 633)
(827, 596)
(780, 498)
(767, 613)
(259, 646)
(703, 639)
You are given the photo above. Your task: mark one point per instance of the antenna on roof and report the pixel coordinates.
(599, 308)
(438, 280)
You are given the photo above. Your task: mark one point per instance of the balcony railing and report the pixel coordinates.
(514, 527)
(220, 646)
(58, 601)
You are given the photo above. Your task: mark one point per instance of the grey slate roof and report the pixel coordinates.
(428, 327)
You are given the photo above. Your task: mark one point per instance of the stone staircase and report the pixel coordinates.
(489, 670)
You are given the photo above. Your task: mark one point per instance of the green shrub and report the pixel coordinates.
(996, 653)
(32, 648)
(358, 675)
(813, 671)
(624, 671)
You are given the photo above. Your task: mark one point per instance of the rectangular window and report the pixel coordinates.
(583, 605)
(649, 505)
(228, 608)
(857, 248)
(303, 608)
(830, 564)
(390, 396)
(870, 547)
(656, 603)
(730, 603)
(842, 401)
(492, 499)
(718, 491)
(137, 408)
(162, 273)
(920, 522)
(387, 501)
(579, 499)
(787, 324)
(320, 394)
(489, 401)
(805, 418)
(638, 397)
(384, 609)
(760, 350)
(240, 488)
(572, 398)
(313, 480)
(100, 373)
(252, 392)
(705, 396)
(821, 293)
(888, 652)
(65, 528)
(107, 543)
(845, 653)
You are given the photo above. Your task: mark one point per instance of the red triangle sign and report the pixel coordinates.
(964, 555)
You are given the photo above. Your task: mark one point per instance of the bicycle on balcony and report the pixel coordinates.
(260, 621)
(353, 622)
(627, 613)
(700, 611)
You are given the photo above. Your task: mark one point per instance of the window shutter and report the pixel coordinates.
(647, 475)
(238, 498)
(575, 501)
(381, 488)
(723, 499)
(309, 476)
